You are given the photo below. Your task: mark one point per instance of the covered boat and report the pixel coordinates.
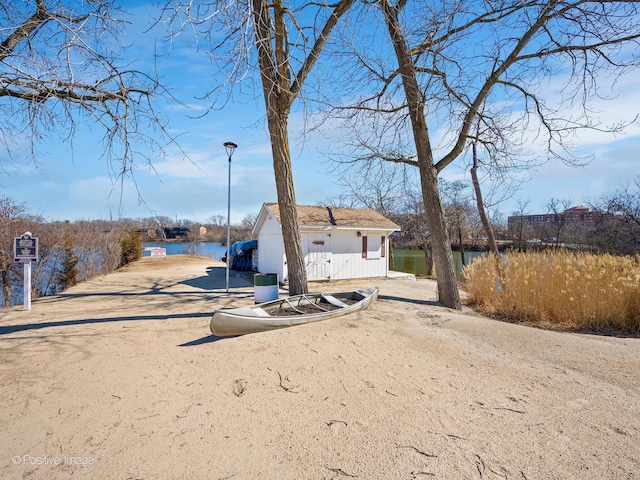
(289, 311)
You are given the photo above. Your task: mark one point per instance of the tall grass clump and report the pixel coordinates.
(560, 289)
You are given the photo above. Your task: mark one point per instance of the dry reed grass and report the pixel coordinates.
(560, 289)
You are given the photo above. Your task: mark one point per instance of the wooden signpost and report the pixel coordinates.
(25, 251)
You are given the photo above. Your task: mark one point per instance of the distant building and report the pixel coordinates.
(176, 232)
(575, 216)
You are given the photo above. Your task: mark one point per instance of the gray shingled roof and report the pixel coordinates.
(313, 216)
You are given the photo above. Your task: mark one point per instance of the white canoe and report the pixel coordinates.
(289, 311)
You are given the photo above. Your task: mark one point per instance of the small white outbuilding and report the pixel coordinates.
(338, 243)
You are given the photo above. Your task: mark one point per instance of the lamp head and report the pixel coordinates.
(230, 146)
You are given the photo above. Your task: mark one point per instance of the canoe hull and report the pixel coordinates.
(241, 321)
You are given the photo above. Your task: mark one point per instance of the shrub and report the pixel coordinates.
(561, 289)
(68, 273)
(131, 247)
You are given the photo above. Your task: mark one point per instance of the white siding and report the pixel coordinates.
(271, 249)
(346, 255)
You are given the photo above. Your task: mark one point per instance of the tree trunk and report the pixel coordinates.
(428, 257)
(6, 288)
(278, 99)
(491, 238)
(448, 293)
(280, 88)
(287, 203)
(462, 259)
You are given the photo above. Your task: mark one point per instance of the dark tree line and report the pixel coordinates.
(618, 230)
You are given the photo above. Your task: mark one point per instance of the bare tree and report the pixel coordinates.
(14, 221)
(456, 209)
(617, 221)
(288, 40)
(97, 246)
(556, 211)
(447, 283)
(249, 221)
(218, 220)
(491, 238)
(503, 159)
(416, 225)
(626, 202)
(519, 229)
(64, 60)
(379, 186)
(461, 62)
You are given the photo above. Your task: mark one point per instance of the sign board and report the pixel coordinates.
(25, 248)
(158, 252)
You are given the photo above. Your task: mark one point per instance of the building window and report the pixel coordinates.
(371, 248)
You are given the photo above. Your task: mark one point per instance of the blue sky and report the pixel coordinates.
(75, 184)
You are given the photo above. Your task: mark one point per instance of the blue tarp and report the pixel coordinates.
(238, 248)
(242, 253)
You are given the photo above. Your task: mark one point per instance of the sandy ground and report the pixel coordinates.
(119, 378)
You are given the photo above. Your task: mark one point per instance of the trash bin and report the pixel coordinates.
(265, 287)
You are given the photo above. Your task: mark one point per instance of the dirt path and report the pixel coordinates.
(119, 378)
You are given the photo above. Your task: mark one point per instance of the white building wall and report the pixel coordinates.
(271, 257)
(346, 257)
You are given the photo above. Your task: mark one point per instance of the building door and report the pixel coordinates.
(318, 256)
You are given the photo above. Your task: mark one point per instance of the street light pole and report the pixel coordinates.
(230, 147)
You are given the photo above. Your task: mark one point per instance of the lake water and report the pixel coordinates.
(206, 249)
(412, 261)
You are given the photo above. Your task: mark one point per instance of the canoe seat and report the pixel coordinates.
(334, 301)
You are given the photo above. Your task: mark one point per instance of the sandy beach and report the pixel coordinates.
(120, 378)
